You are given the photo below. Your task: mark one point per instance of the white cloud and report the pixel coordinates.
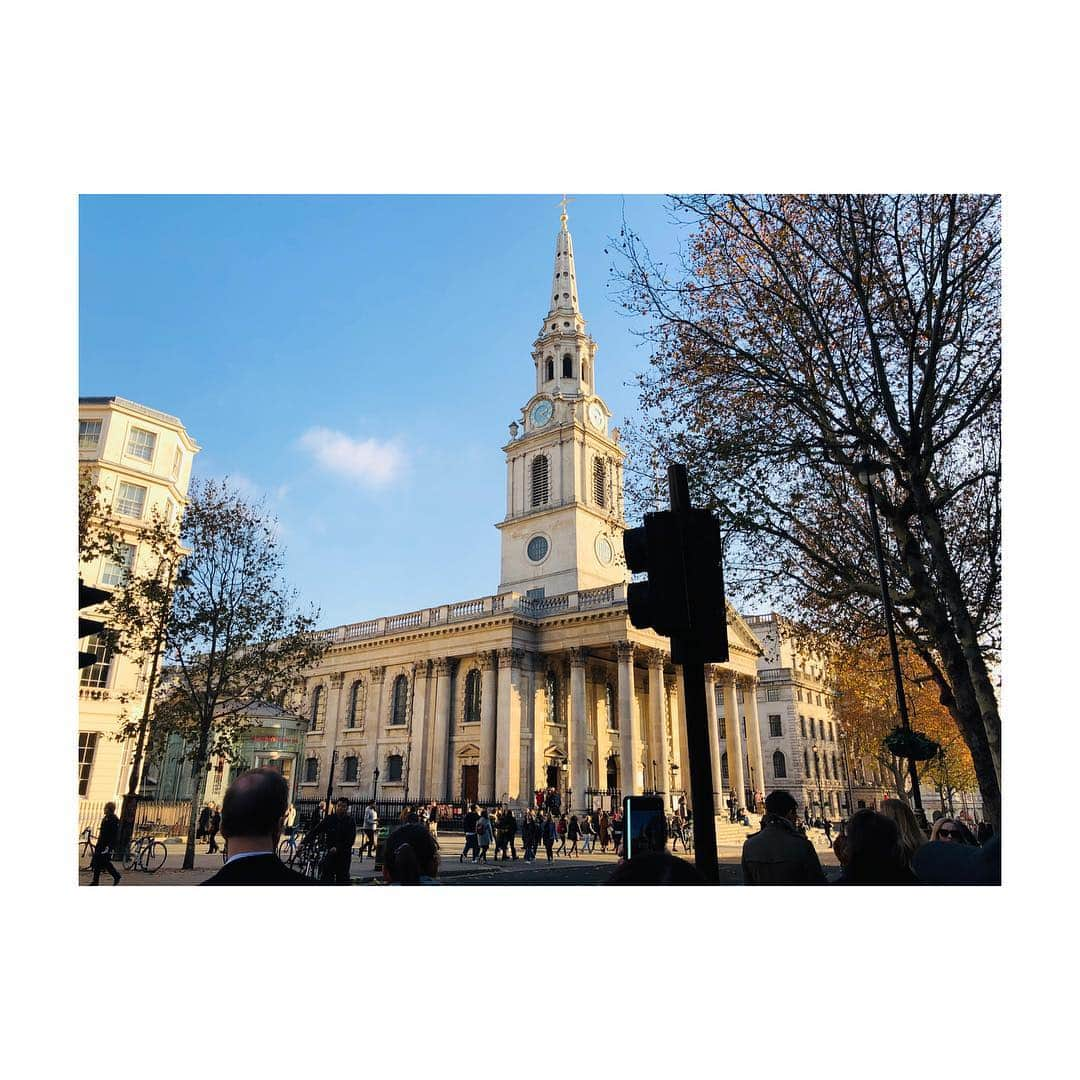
(368, 461)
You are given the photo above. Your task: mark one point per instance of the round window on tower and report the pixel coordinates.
(538, 549)
(605, 553)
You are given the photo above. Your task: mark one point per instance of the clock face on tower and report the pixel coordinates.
(541, 413)
(596, 416)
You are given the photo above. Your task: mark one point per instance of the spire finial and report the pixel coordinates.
(563, 203)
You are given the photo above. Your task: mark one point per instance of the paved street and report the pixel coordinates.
(584, 870)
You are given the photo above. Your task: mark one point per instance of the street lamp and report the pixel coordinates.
(375, 786)
(818, 759)
(655, 776)
(865, 469)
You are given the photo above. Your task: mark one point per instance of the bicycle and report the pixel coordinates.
(147, 853)
(289, 846)
(87, 848)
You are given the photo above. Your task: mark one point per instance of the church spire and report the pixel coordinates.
(564, 293)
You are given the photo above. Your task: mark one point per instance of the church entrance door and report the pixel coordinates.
(470, 783)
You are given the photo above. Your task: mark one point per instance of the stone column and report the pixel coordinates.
(371, 731)
(486, 785)
(658, 735)
(576, 729)
(415, 785)
(508, 755)
(629, 722)
(333, 717)
(753, 735)
(734, 741)
(441, 736)
(711, 675)
(672, 687)
(539, 662)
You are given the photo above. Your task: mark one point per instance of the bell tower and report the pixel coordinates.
(564, 483)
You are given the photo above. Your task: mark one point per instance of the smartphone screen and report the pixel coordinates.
(646, 824)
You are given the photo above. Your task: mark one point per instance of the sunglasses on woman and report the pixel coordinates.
(947, 833)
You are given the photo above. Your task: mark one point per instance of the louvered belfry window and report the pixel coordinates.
(599, 481)
(540, 480)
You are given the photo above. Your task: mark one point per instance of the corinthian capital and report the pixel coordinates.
(577, 656)
(488, 660)
(336, 679)
(509, 658)
(377, 673)
(624, 650)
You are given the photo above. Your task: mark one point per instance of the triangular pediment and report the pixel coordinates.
(469, 750)
(740, 635)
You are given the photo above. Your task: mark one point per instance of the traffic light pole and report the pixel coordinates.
(701, 777)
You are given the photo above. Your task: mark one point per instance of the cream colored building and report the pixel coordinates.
(544, 682)
(141, 459)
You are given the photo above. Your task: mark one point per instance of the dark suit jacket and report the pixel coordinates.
(265, 869)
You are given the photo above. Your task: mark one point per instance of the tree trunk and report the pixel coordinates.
(198, 793)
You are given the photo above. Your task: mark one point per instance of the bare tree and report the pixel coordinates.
(802, 333)
(215, 609)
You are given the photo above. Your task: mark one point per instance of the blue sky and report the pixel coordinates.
(355, 359)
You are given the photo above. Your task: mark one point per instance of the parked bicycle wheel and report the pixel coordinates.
(155, 856)
(86, 856)
(131, 856)
(286, 852)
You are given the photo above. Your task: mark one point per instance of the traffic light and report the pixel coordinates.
(89, 597)
(681, 550)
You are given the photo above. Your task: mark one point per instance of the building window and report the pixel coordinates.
(567, 366)
(599, 481)
(115, 573)
(400, 700)
(779, 766)
(552, 688)
(318, 704)
(219, 773)
(130, 500)
(773, 693)
(89, 434)
(355, 704)
(549, 370)
(540, 480)
(739, 696)
(178, 458)
(350, 770)
(87, 749)
(819, 699)
(798, 693)
(472, 697)
(537, 551)
(835, 768)
(806, 761)
(832, 733)
(393, 768)
(724, 768)
(802, 726)
(96, 675)
(776, 729)
(609, 707)
(311, 770)
(584, 371)
(140, 444)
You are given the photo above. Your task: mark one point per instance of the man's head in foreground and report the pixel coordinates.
(253, 810)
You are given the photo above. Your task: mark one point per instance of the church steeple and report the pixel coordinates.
(564, 353)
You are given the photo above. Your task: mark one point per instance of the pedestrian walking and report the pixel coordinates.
(548, 835)
(560, 832)
(338, 831)
(483, 836)
(617, 831)
(204, 821)
(588, 834)
(468, 827)
(212, 829)
(371, 829)
(108, 835)
(573, 832)
(604, 831)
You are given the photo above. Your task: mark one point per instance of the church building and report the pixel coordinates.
(543, 683)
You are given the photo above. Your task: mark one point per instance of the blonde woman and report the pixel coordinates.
(911, 836)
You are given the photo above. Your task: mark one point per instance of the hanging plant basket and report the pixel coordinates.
(913, 745)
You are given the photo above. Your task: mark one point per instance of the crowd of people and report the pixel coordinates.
(873, 847)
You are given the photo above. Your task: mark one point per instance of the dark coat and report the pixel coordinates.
(215, 823)
(779, 855)
(337, 831)
(265, 869)
(877, 873)
(468, 823)
(204, 820)
(108, 833)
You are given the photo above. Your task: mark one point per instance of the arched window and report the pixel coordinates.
(350, 769)
(549, 369)
(724, 768)
(609, 707)
(472, 697)
(393, 769)
(311, 770)
(779, 765)
(567, 366)
(355, 704)
(399, 700)
(540, 480)
(552, 687)
(613, 771)
(315, 719)
(776, 728)
(599, 481)
(584, 371)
